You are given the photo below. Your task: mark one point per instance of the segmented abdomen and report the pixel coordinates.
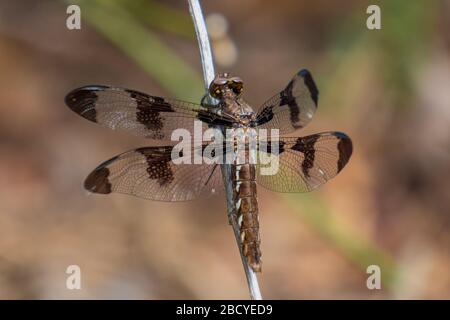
(244, 193)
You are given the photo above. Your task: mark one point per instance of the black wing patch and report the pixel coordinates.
(150, 173)
(308, 162)
(293, 107)
(139, 113)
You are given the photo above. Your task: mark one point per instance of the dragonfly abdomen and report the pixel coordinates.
(246, 210)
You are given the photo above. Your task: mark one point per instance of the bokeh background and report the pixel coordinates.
(388, 89)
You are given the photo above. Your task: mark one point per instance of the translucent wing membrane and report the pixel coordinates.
(306, 163)
(292, 108)
(139, 113)
(154, 173)
(150, 173)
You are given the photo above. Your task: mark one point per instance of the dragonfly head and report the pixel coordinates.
(228, 90)
(226, 87)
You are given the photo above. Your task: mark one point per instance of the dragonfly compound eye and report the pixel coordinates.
(215, 91)
(238, 88)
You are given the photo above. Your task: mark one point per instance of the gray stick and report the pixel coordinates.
(208, 75)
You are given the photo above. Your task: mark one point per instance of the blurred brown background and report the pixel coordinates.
(388, 89)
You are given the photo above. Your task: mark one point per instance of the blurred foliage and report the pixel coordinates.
(399, 48)
(161, 16)
(130, 35)
(314, 211)
(404, 46)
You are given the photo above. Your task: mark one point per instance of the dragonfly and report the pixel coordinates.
(304, 163)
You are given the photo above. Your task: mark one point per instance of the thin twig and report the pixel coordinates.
(203, 41)
(208, 75)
